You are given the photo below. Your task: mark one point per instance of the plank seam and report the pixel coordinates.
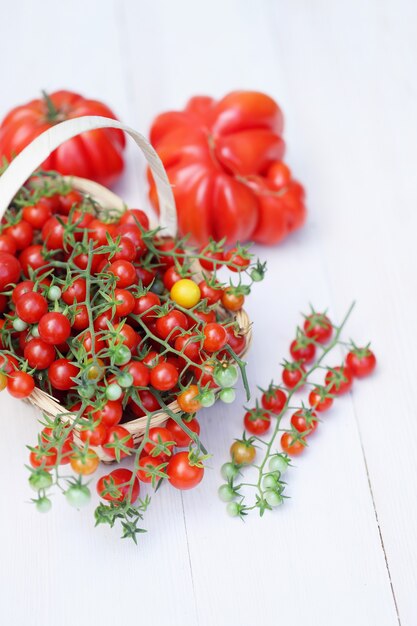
(189, 559)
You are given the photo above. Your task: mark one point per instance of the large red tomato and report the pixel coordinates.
(224, 160)
(96, 154)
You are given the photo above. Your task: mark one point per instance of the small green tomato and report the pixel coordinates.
(229, 471)
(278, 463)
(19, 324)
(227, 395)
(125, 380)
(273, 498)
(232, 509)
(122, 355)
(78, 495)
(226, 375)
(40, 479)
(87, 391)
(270, 481)
(43, 505)
(226, 493)
(207, 398)
(113, 392)
(35, 331)
(256, 275)
(54, 293)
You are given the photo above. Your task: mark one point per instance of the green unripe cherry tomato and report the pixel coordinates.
(43, 505)
(19, 324)
(232, 509)
(256, 276)
(78, 495)
(40, 479)
(270, 482)
(54, 293)
(226, 376)
(273, 498)
(207, 398)
(229, 471)
(87, 391)
(113, 392)
(278, 463)
(227, 395)
(125, 379)
(122, 355)
(226, 493)
(35, 331)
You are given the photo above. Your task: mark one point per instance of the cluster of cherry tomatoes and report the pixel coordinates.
(317, 332)
(116, 323)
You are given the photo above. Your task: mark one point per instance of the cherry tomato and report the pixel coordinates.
(135, 217)
(204, 375)
(95, 435)
(145, 276)
(292, 444)
(319, 399)
(305, 421)
(125, 302)
(139, 372)
(361, 362)
(61, 374)
(339, 380)
(232, 301)
(125, 273)
(317, 326)
(43, 458)
(209, 292)
(233, 259)
(215, 337)
(133, 232)
(8, 363)
(7, 244)
(39, 354)
(292, 373)
(119, 442)
(9, 270)
(186, 293)
(21, 288)
(99, 231)
(182, 472)
(160, 442)
(71, 199)
(53, 233)
(145, 306)
(31, 306)
(166, 246)
(20, 384)
(302, 349)
(181, 438)
(85, 464)
(164, 376)
(169, 326)
(22, 233)
(188, 399)
(33, 258)
(37, 214)
(109, 415)
(102, 321)
(147, 465)
(126, 250)
(189, 345)
(257, 422)
(54, 328)
(274, 400)
(243, 452)
(117, 486)
(81, 320)
(216, 255)
(148, 400)
(127, 336)
(76, 292)
(171, 276)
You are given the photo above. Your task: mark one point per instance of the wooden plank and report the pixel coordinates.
(324, 546)
(58, 568)
(357, 135)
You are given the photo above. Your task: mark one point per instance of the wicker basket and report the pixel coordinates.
(19, 171)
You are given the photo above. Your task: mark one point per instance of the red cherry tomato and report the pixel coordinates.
(257, 422)
(182, 473)
(317, 326)
(54, 328)
(305, 421)
(9, 270)
(118, 486)
(135, 217)
(31, 306)
(20, 384)
(119, 442)
(22, 233)
(164, 376)
(125, 273)
(339, 380)
(319, 399)
(274, 400)
(169, 326)
(292, 373)
(61, 374)
(181, 438)
(361, 362)
(39, 354)
(215, 337)
(302, 349)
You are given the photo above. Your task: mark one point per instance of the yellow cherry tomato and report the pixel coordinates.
(95, 369)
(243, 452)
(3, 381)
(85, 464)
(186, 293)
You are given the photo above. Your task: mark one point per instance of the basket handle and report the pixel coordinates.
(42, 146)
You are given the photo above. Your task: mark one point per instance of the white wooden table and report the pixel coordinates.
(343, 550)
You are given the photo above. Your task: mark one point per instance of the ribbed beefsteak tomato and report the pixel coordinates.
(96, 154)
(224, 160)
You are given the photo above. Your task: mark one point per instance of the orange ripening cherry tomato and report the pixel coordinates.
(84, 463)
(232, 301)
(188, 399)
(292, 445)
